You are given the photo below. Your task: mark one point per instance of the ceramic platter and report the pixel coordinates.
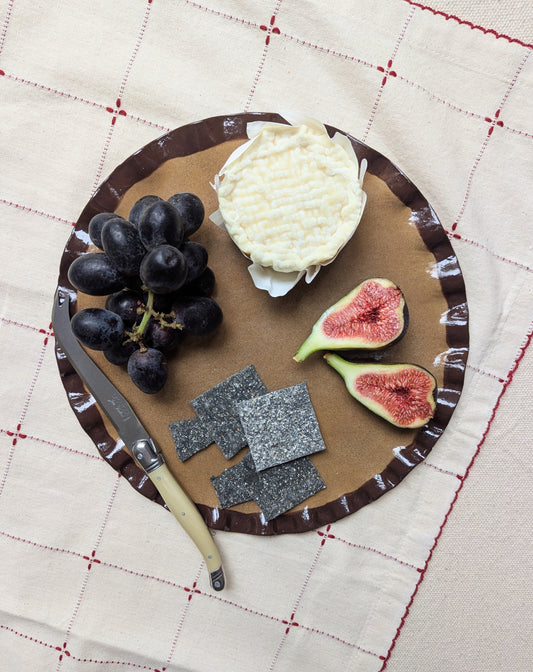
(399, 237)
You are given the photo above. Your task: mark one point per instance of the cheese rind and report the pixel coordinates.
(292, 198)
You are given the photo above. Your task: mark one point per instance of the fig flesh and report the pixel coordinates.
(403, 394)
(372, 316)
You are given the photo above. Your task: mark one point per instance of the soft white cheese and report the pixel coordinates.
(292, 198)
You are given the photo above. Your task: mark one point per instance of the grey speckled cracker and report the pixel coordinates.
(232, 486)
(281, 426)
(280, 488)
(190, 437)
(218, 407)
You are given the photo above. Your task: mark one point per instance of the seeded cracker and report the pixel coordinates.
(280, 426)
(280, 488)
(218, 407)
(190, 437)
(231, 487)
(275, 490)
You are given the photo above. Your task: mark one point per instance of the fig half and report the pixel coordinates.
(403, 394)
(372, 316)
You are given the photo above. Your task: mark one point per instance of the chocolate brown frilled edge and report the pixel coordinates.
(367, 458)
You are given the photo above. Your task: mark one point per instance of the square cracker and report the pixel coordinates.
(275, 490)
(231, 486)
(218, 408)
(280, 426)
(190, 437)
(282, 487)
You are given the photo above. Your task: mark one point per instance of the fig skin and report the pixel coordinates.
(403, 394)
(372, 316)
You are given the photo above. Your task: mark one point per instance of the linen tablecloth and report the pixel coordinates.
(435, 575)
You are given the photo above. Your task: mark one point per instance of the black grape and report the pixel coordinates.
(119, 353)
(125, 303)
(202, 286)
(95, 227)
(163, 302)
(140, 206)
(97, 328)
(148, 369)
(151, 274)
(94, 273)
(198, 315)
(122, 245)
(163, 269)
(191, 210)
(160, 223)
(134, 283)
(161, 337)
(196, 258)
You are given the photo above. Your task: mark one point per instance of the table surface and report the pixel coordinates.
(432, 576)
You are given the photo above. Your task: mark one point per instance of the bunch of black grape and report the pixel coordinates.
(157, 282)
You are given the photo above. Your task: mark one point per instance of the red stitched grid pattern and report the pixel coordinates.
(60, 647)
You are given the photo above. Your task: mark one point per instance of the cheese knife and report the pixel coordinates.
(140, 445)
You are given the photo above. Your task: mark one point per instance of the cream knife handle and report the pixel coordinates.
(183, 509)
(187, 515)
(190, 519)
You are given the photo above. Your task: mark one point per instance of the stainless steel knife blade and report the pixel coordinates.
(136, 439)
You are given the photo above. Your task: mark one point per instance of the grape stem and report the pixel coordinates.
(148, 312)
(139, 331)
(162, 317)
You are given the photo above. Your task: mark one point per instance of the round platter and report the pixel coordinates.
(399, 237)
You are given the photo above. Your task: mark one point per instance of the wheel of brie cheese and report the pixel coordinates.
(290, 199)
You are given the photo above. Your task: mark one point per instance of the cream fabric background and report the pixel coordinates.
(504, 17)
(474, 601)
(96, 578)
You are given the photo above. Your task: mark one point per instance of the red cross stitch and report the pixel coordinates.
(92, 559)
(325, 535)
(64, 651)
(388, 72)
(16, 435)
(192, 590)
(290, 623)
(494, 122)
(270, 29)
(116, 111)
